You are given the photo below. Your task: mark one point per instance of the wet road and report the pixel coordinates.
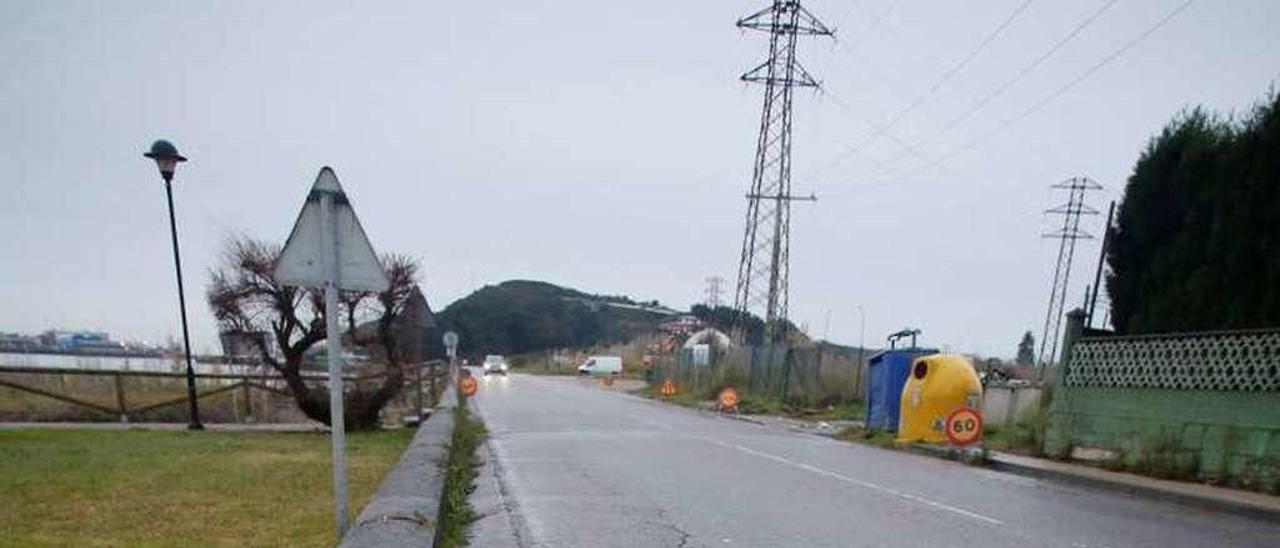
(581, 466)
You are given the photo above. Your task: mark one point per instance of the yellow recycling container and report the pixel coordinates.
(937, 386)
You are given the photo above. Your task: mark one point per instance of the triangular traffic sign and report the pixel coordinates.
(300, 262)
(417, 313)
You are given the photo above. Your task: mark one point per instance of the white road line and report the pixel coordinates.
(861, 483)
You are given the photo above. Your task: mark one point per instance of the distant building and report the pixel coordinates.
(86, 342)
(242, 346)
(93, 343)
(711, 336)
(683, 325)
(17, 342)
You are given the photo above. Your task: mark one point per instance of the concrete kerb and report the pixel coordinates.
(405, 510)
(1193, 494)
(1210, 497)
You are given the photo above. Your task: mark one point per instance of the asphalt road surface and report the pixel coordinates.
(580, 466)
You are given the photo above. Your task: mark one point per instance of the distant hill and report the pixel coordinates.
(520, 316)
(727, 319)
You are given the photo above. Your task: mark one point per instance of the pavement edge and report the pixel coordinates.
(1141, 486)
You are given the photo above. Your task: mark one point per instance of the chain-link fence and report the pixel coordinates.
(810, 375)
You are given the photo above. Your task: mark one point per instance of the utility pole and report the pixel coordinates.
(765, 259)
(1097, 276)
(1071, 211)
(862, 349)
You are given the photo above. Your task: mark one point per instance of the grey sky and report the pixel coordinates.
(600, 145)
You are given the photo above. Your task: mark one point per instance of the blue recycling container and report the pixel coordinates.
(887, 373)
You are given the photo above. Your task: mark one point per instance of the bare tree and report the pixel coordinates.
(246, 300)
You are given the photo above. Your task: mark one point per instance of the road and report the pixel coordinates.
(576, 465)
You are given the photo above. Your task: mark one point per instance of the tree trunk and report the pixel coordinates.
(313, 404)
(360, 408)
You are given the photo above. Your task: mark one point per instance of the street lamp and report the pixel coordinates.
(862, 330)
(862, 341)
(167, 159)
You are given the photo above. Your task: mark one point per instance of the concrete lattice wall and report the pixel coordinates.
(1190, 406)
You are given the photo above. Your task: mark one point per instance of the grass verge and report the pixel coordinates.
(164, 488)
(1025, 437)
(755, 404)
(457, 514)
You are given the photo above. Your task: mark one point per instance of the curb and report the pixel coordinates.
(965, 455)
(405, 509)
(741, 418)
(1246, 503)
(1231, 501)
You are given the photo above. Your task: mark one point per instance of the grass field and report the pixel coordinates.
(151, 488)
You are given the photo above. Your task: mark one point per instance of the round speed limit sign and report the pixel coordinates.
(964, 426)
(468, 385)
(729, 399)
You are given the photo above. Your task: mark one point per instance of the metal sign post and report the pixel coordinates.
(328, 248)
(451, 347)
(333, 347)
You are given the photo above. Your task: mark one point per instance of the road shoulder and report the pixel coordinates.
(496, 523)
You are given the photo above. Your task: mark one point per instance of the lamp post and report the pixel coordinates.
(167, 159)
(862, 346)
(862, 329)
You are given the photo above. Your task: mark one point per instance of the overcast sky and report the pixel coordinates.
(604, 146)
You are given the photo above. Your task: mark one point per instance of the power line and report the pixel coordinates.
(1008, 122)
(852, 151)
(875, 20)
(883, 74)
(906, 147)
(1006, 85)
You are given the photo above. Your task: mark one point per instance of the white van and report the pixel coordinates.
(601, 365)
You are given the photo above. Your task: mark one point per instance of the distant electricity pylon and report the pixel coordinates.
(1067, 236)
(715, 288)
(766, 243)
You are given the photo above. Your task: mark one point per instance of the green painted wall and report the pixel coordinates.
(1226, 436)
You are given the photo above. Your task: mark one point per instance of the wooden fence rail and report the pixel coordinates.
(265, 381)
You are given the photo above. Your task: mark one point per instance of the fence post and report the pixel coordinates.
(1011, 413)
(120, 401)
(435, 398)
(815, 396)
(246, 404)
(417, 388)
(786, 370)
(1075, 328)
(717, 362)
(857, 377)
